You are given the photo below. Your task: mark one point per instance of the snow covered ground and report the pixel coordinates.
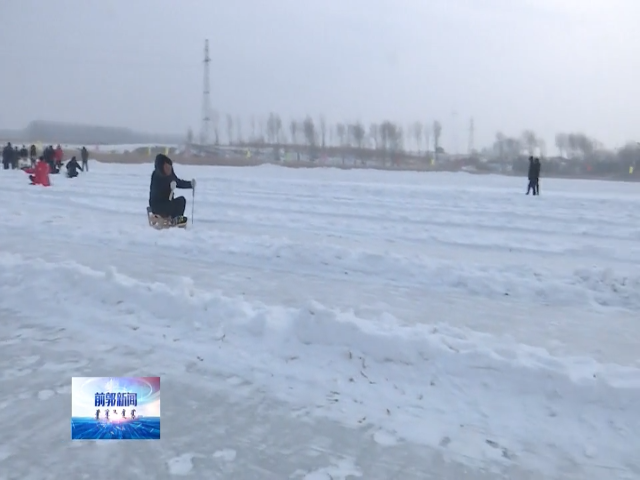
(317, 324)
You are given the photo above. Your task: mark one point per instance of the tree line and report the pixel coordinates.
(571, 146)
(317, 133)
(386, 139)
(579, 154)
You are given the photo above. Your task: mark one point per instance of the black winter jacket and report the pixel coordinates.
(7, 154)
(73, 166)
(532, 170)
(160, 188)
(536, 170)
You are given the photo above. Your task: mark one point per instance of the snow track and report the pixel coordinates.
(480, 332)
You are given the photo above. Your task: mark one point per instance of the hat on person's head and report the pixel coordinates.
(161, 161)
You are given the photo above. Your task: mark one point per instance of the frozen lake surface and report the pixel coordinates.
(318, 324)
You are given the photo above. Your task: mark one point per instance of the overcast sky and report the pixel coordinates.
(547, 65)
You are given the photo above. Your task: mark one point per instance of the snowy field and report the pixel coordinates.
(326, 324)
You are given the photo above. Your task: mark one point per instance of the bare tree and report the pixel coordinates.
(274, 128)
(391, 139)
(499, 145)
(387, 134)
(278, 126)
(530, 140)
(350, 141)
(582, 145)
(341, 132)
(323, 131)
(271, 129)
(357, 133)
(427, 138)
(437, 133)
(629, 155)
(417, 135)
(239, 135)
(309, 129)
(374, 135)
(576, 144)
(513, 147)
(229, 129)
(398, 140)
(293, 129)
(562, 143)
(262, 127)
(542, 146)
(253, 129)
(282, 135)
(215, 123)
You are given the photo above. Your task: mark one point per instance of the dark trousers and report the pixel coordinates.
(531, 186)
(85, 165)
(170, 208)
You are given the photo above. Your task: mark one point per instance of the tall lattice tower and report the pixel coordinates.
(206, 100)
(472, 131)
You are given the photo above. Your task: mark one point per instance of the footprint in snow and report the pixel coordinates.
(385, 439)
(227, 455)
(45, 394)
(181, 465)
(63, 390)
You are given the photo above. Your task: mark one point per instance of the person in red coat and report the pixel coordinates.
(58, 156)
(39, 175)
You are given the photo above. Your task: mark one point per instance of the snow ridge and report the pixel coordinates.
(432, 384)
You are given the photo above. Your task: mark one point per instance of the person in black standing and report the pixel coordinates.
(49, 157)
(7, 156)
(531, 176)
(33, 155)
(84, 155)
(536, 176)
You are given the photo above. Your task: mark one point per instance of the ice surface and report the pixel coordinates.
(326, 324)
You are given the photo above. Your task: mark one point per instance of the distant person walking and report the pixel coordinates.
(531, 176)
(84, 155)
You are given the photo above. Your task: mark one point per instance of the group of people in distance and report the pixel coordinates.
(534, 176)
(51, 162)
